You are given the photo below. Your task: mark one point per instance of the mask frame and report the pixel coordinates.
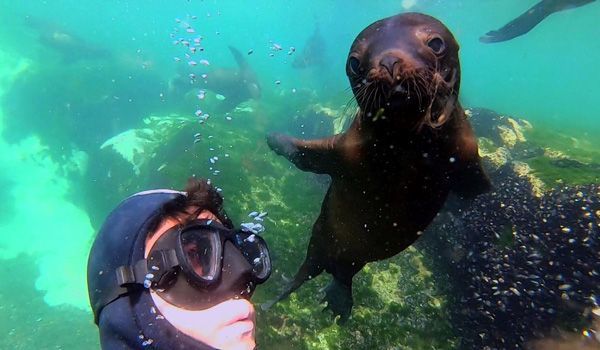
(201, 264)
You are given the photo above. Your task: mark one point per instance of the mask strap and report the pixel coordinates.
(146, 271)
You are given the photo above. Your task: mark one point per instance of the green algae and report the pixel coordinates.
(397, 305)
(568, 159)
(27, 322)
(398, 302)
(548, 171)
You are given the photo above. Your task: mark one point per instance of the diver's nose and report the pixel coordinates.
(388, 62)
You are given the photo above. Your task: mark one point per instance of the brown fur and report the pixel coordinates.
(408, 147)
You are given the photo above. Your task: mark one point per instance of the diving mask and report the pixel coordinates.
(201, 264)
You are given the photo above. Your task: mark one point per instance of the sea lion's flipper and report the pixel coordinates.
(520, 25)
(532, 17)
(338, 297)
(469, 179)
(317, 156)
(338, 293)
(239, 58)
(247, 76)
(309, 269)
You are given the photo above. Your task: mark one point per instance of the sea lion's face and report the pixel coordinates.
(406, 67)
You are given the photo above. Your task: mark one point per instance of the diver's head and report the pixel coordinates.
(185, 261)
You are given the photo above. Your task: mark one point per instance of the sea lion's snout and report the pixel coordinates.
(393, 66)
(398, 80)
(388, 63)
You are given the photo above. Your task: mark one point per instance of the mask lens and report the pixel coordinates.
(255, 251)
(202, 251)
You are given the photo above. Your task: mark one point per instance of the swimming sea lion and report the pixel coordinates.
(409, 145)
(69, 46)
(313, 52)
(525, 22)
(235, 84)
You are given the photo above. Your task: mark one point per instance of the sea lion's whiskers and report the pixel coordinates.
(366, 96)
(428, 119)
(376, 96)
(408, 88)
(421, 87)
(371, 98)
(353, 100)
(417, 88)
(447, 104)
(360, 93)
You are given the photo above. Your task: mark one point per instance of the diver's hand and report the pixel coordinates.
(281, 144)
(229, 325)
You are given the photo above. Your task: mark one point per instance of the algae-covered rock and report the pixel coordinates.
(137, 146)
(531, 263)
(521, 260)
(494, 158)
(401, 302)
(503, 131)
(524, 170)
(546, 160)
(398, 306)
(132, 145)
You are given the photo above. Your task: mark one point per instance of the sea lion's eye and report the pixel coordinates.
(354, 64)
(437, 45)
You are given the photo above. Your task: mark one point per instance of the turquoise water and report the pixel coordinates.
(60, 103)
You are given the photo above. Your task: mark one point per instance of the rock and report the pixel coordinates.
(533, 262)
(503, 131)
(137, 146)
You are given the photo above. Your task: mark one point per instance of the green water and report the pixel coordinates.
(59, 104)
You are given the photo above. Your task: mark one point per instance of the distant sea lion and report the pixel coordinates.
(409, 145)
(69, 46)
(530, 19)
(313, 52)
(235, 84)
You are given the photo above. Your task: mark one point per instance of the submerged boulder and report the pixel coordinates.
(523, 260)
(519, 265)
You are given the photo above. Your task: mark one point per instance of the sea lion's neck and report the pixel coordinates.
(387, 132)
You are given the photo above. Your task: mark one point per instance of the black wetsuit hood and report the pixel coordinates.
(128, 318)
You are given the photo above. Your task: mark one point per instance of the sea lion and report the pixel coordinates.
(69, 46)
(532, 17)
(409, 145)
(235, 84)
(313, 52)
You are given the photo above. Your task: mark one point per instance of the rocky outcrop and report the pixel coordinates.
(524, 259)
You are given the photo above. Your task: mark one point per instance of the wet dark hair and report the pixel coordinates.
(199, 193)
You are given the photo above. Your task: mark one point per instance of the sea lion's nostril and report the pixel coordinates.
(388, 62)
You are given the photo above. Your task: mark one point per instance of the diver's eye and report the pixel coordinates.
(354, 64)
(437, 45)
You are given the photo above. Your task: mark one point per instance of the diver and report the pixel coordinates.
(168, 271)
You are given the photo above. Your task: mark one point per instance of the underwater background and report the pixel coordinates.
(97, 103)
